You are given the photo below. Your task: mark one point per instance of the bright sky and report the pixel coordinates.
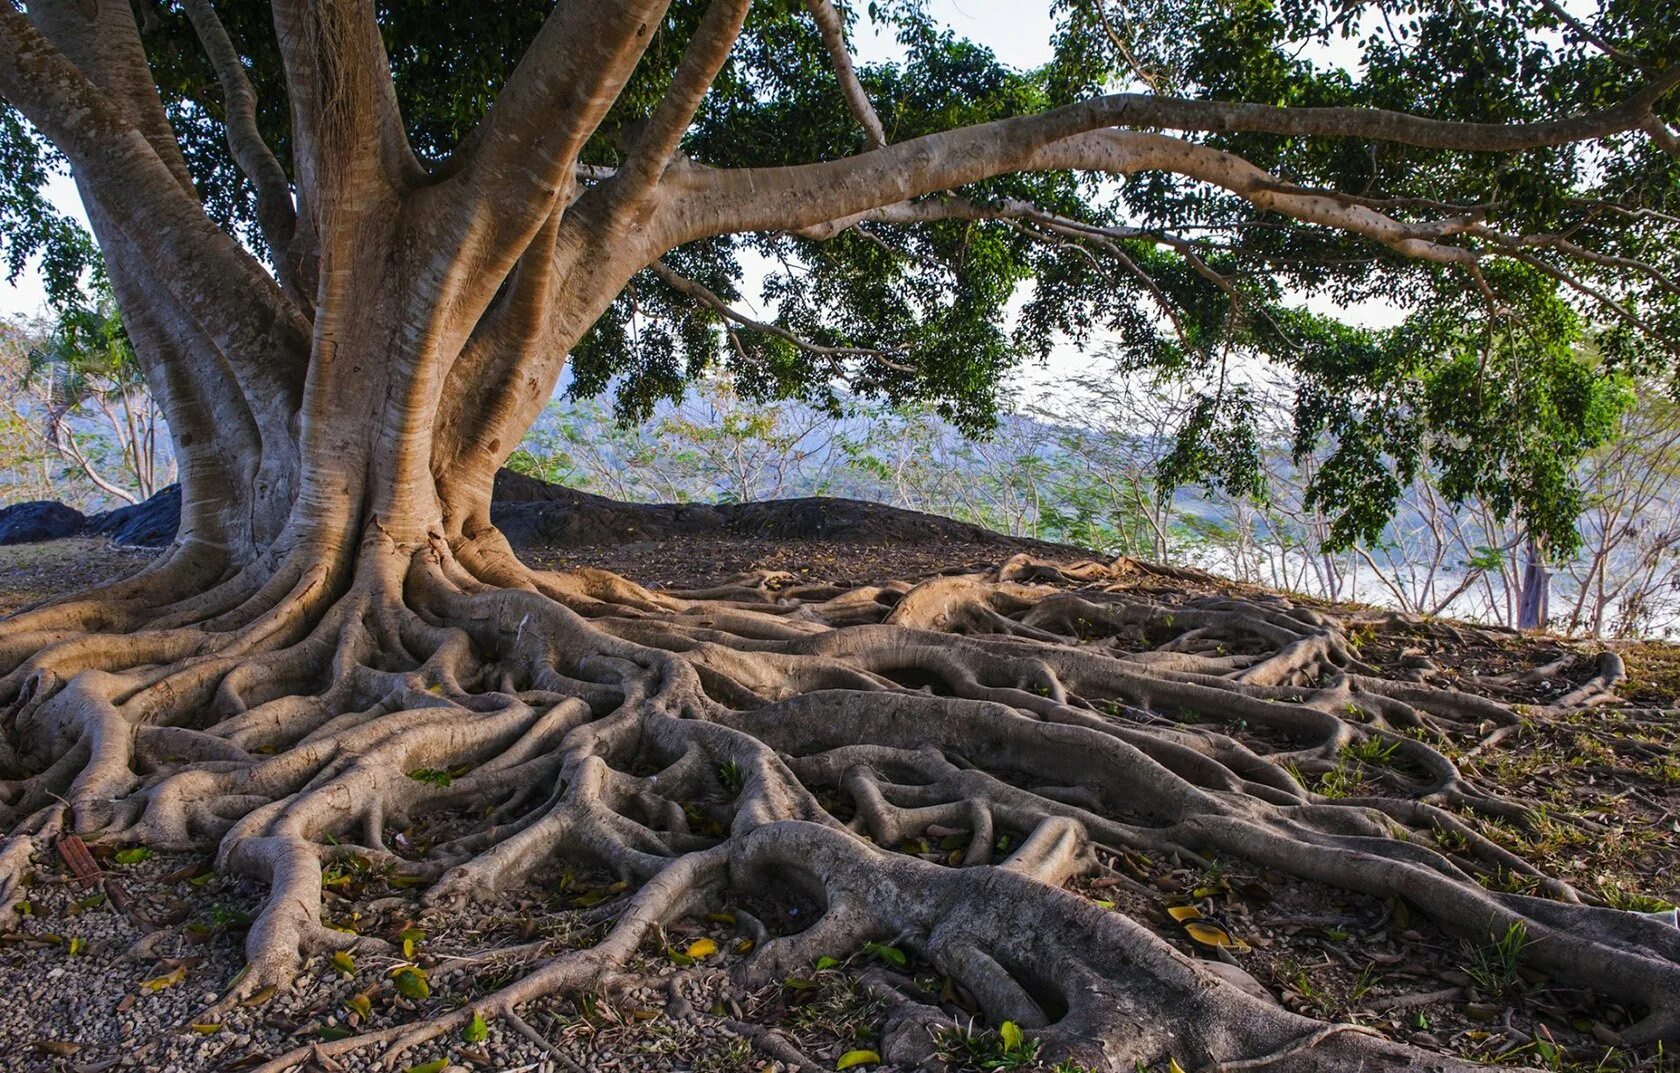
(1018, 32)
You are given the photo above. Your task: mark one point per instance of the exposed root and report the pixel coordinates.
(769, 745)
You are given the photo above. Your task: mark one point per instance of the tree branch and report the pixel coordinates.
(709, 299)
(761, 199)
(833, 29)
(520, 160)
(702, 60)
(349, 145)
(275, 212)
(216, 282)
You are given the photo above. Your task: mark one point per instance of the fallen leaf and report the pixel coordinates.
(1213, 935)
(411, 982)
(475, 1030)
(858, 1058)
(700, 948)
(168, 979)
(57, 1047)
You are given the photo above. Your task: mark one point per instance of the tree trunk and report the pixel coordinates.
(1535, 591)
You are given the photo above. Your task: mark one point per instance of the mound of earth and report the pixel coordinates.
(535, 514)
(39, 519)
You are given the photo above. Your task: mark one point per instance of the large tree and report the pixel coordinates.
(354, 245)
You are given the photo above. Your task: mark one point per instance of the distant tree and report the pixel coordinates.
(84, 371)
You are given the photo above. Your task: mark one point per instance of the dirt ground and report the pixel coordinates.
(119, 976)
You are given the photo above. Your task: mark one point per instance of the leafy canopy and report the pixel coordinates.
(1502, 378)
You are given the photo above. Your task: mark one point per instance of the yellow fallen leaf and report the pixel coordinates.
(207, 1028)
(168, 979)
(1213, 935)
(700, 948)
(1182, 913)
(1173, 1066)
(858, 1058)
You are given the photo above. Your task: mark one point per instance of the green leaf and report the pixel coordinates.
(436, 1065)
(1010, 1033)
(431, 776)
(411, 982)
(411, 937)
(857, 1058)
(132, 855)
(890, 954)
(343, 962)
(476, 1030)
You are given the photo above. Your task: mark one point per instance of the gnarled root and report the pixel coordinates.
(767, 746)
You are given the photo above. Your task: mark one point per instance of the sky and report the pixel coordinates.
(1018, 31)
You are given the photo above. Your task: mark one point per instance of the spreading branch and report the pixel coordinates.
(764, 199)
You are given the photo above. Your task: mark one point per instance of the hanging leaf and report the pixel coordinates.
(857, 1058)
(475, 1030)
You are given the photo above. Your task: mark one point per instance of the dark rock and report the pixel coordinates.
(39, 519)
(149, 524)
